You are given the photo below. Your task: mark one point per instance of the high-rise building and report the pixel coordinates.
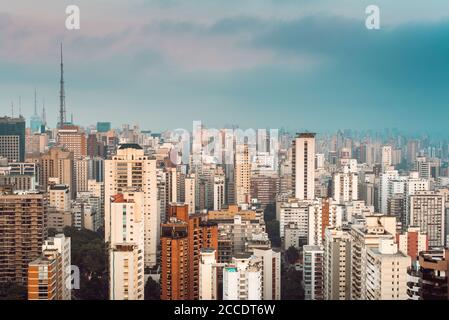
(62, 245)
(44, 278)
(131, 168)
(127, 245)
(82, 174)
(313, 259)
(434, 275)
(337, 264)
(243, 279)
(294, 214)
(208, 275)
(271, 273)
(23, 230)
(242, 174)
(175, 260)
(58, 164)
(73, 139)
(412, 242)
(427, 211)
(189, 192)
(264, 187)
(387, 156)
(345, 186)
(323, 213)
(364, 236)
(35, 120)
(103, 126)
(12, 138)
(219, 192)
(386, 272)
(304, 166)
(200, 234)
(59, 197)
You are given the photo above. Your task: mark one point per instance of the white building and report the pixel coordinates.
(126, 259)
(271, 275)
(242, 279)
(297, 213)
(189, 192)
(313, 272)
(345, 186)
(208, 275)
(323, 213)
(61, 243)
(219, 192)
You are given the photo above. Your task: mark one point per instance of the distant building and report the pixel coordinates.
(304, 166)
(103, 126)
(12, 138)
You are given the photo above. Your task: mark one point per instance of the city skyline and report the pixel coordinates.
(310, 65)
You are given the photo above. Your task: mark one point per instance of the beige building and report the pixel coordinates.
(386, 275)
(74, 140)
(337, 264)
(242, 174)
(82, 174)
(364, 236)
(303, 166)
(58, 164)
(131, 168)
(189, 192)
(208, 271)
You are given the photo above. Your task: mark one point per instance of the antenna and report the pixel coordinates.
(44, 116)
(62, 111)
(35, 102)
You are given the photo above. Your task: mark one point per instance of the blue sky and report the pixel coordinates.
(256, 63)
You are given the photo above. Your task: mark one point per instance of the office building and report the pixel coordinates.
(12, 138)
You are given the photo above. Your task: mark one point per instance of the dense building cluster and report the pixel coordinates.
(367, 213)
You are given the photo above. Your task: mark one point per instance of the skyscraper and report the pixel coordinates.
(131, 168)
(127, 245)
(304, 166)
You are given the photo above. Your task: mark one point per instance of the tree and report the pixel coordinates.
(292, 288)
(152, 290)
(12, 291)
(291, 255)
(90, 255)
(273, 232)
